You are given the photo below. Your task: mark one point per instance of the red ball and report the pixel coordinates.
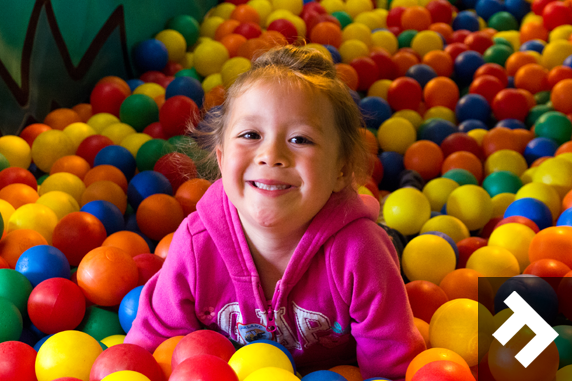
(30, 133)
(550, 270)
(126, 357)
(394, 17)
(520, 220)
(248, 30)
(555, 14)
(107, 97)
(479, 42)
(155, 131)
(148, 265)
(14, 175)
(460, 36)
(404, 93)
(486, 85)
(495, 70)
(510, 104)
(152, 76)
(459, 141)
(202, 342)
(443, 371)
(90, 147)
(467, 246)
(455, 48)
(55, 305)
(487, 230)
(164, 82)
(440, 10)
(385, 65)
(204, 368)
(172, 68)
(175, 113)
(17, 361)
(177, 168)
(425, 298)
(76, 234)
(313, 6)
(286, 28)
(367, 71)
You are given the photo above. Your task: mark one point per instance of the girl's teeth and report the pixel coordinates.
(270, 187)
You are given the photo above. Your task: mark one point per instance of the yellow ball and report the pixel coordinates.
(112, 340)
(211, 81)
(209, 58)
(118, 131)
(382, 12)
(60, 202)
(101, 120)
(438, 190)
(78, 131)
(478, 134)
(371, 19)
(233, 68)
(36, 217)
(512, 36)
(412, 116)
(494, 261)
(449, 225)
(426, 41)
(352, 49)
(174, 42)
(253, 357)
(209, 26)
(223, 10)
(188, 61)
(555, 53)
(471, 204)
(133, 142)
(505, 160)
(404, 3)
(561, 32)
(125, 375)
(16, 150)
(379, 88)
(564, 373)
(542, 192)
(263, 7)
(385, 39)
(500, 202)
(332, 6)
(299, 24)
(150, 89)
(67, 354)
(271, 373)
(6, 210)
(515, 238)
(526, 177)
(440, 112)
(428, 257)
(406, 210)
(49, 146)
(294, 6)
(65, 182)
(463, 326)
(396, 134)
(357, 31)
(530, 17)
(278, 14)
(356, 7)
(556, 172)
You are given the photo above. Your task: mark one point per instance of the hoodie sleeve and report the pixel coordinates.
(366, 273)
(167, 304)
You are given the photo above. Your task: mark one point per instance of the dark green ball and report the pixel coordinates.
(404, 39)
(100, 323)
(11, 323)
(16, 288)
(497, 54)
(503, 21)
(554, 125)
(461, 176)
(192, 72)
(187, 26)
(151, 151)
(343, 17)
(139, 111)
(535, 113)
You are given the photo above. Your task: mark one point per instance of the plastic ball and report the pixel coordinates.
(510, 103)
(441, 91)
(443, 370)
(432, 355)
(128, 308)
(159, 215)
(90, 146)
(148, 265)
(15, 243)
(502, 182)
(464, 160)
(424, 157)
(175, 113)
(438, 190)
(471, 204)
(125, 375)
(533, 209)
(466, 64)
(257, 356)
(202, 342)
(150, 54)
(17, 361)
(206, 366)
(18, 194)
(100, 323)
(404, 93)
(49, 146)
(539, 147)
(425, 298)
(15, 288)
(420, 258)
(17, 151)
(516, 238)
(550, 270)
(396, 134)
(564, 349)
(43, 262)
(109, 215)
(559, 98)
(164, 352)
(426, 41)
(124, 357)
(11, 320)
(471, 107)
(554, 125)
(544, 193)
(64, 182)
(323, 375)
(106, 274)
(406, 210)
(145, 184)
(209, 57)
(493, 261)
(551, 243)
(31, 132)
(505, 160)
(67, 354)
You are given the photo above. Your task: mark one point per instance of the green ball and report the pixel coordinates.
(503, 21)
(542, 97)
(192, 72)
(503, 41)
(554, 125)
(564, 344)
(11, 323)
(16, 288)
(461, 176)
(151, 151)
(404, 39)
(502, 182)
(497, 54)
(344, 18)
(187, 26)
(42, 178)
(139, 111)
(535, 113)
(100, 323)
(4, 163)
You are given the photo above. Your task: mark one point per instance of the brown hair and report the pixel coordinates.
(289, 65)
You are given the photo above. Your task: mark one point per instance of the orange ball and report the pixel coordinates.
(106, 274)
(106, 172)
(13, 244)
(425, 157)
(517, 60)
(130, 242)
(415, 17)
(557, 74)
(461, 283)
(245, 13)
(567, 201)
(550, 270)
(532, 77)
(162, 248)
(371, 141)
(327, 33)
(500, 138)
(73, 164)
(440, 61)
(403, 61)
(105, 190)
(464, 160)
(253, 48)
(61, 118)
(350, 372)
(84, 110)
(533, 30)
(274, 38)
(423, 328)
(441, 91)
(190, 192)
(554, 242)
(215, 97)
(560, 96)
(443, 29)
(18, 194)
(348, 75)
(225, 28)
(164, 353)
(430, 355)
(159, 215)
(232, 42)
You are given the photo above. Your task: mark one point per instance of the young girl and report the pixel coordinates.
(282, 247)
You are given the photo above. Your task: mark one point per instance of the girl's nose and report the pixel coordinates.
(273, 154)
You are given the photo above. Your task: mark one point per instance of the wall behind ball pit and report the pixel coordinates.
(53, 52)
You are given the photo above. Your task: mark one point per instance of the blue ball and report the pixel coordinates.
(539, 147)
(145, 184)
(531, 208)
(513, 124)
(467, 20)
(534, 290)
(119, 157)
(128, 308)
(134, 83)
(421, 73)
(40, 342)
(279, 346)
(392, 166)
(534, 45)
(436, 130)
(472, 124)
(517, 8)
(565, 218)
(568, 61)
(510, 84)
(466, 64)
(472, 106)
(487, 8)
(150, 54)
(106, 212)
(448, 239)
(42, 262)
(187, 86)
(336, 56)
(324, 375)
(375, 111)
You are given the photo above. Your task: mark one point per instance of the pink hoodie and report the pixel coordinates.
(341, 298)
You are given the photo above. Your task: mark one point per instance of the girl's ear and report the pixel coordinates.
(219, 157)
(344, 178)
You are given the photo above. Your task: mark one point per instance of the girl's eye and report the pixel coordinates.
(250, 135)
(300, 140)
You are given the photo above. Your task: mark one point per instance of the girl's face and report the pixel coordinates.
(280, 159)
